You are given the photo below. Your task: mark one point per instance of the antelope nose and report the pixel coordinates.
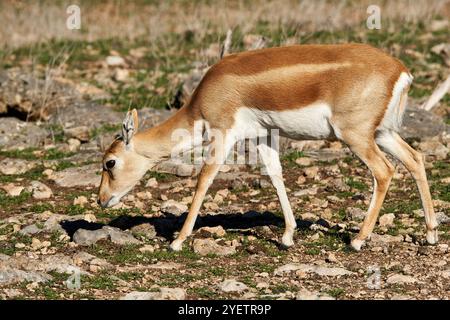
(99, 202)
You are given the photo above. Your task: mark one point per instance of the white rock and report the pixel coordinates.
(121, 75)
(12, 190)
(81, 201)
(80, 133)
(162, 294)
(74, 144)
(173, 207)
(305, 294)
(15, 166)
(385, 238)
(152, 183)
(387, 220)
(401, 279)
(218, 231)
(115, 61)
(40, 190)
(231, 285)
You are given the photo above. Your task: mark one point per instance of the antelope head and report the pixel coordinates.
(123, 166)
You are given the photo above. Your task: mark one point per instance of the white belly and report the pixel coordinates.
(311, 122)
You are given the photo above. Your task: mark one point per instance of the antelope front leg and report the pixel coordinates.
(207, 175)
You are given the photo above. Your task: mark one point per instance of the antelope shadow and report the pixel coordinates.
(166, 225)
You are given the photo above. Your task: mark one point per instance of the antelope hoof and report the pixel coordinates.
(356, 244)
(287, 240)
(176, 245)
(432, 236)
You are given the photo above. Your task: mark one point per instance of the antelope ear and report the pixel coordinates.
(130, 125)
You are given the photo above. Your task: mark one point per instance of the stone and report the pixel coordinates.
(204, 247)
(162, 294)
(442, 218)
(218, 231)
(445, 274)
(211, 206)
(400, 297)
(147, 248)
(173, 207)
(308, 268)
(15, 166)
(356, 214)
(80, 201)
(120, 237)
(9, 276)
(30, 230)
(437, 25)
(231, 285)
(435, 148)
(306, 192)
(12, 190)
(20, 134)
(305, 294)
(85, 237)
(311, 172)
(385, 238)
(401, 279)
(115, 61)
(73, 145)
(304, 161)
(386, 220)
(40, 190)
(145, 229)
(80, 133)
(78, 176)
(152, 183)
(420, 124)
(121, 75)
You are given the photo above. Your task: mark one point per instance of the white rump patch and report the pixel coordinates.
(392, 119)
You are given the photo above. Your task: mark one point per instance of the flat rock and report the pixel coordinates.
(204, 247)
(10, 276)
(12, 190)
(15, 166)
(309, 268)
(30, 230)
(120, 237)
(161, 294)
(78, 176)
(419, 124)
(217, 231)
(15, 133)
(173, 207)
(80, 133)
(88, 237)
(85, 237)
(231, 285)
(385, 238)
(305, 294)
(401, 279)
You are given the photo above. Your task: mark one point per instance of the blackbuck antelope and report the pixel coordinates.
(351, 92)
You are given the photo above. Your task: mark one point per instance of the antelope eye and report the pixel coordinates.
(110, 164)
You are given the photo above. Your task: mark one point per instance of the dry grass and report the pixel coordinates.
(25, 22)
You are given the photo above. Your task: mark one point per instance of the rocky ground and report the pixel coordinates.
(59, 111)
